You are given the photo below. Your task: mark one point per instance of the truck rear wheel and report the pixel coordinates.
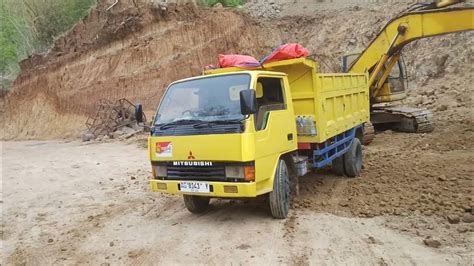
(279, 198)
(337, 166)
(196, 204)
(353, 159)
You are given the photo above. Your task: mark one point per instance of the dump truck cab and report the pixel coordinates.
(237, 133)
(201, 134)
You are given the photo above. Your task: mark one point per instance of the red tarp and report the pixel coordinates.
(286, 51)
(283, 52)
(236, 60)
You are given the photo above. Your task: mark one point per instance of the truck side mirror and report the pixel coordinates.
(248, 102)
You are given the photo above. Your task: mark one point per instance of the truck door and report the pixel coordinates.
(274, 124)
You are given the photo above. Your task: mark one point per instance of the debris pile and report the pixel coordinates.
(119, 119)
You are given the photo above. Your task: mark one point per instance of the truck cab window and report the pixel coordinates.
(270, 98)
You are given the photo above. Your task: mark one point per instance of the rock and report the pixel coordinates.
(442, 107)
(430, 92)
(442, 178)
(87, 136)
(453, 219)
(432, 243)
(111, 244)
(50, 240)
(129, 135)
(468, 218)
(440, 61)
(418, 100)
(424, 99)
(116, 134)
(462, 229)
(127, 130)
(135, 127)
(218, 6)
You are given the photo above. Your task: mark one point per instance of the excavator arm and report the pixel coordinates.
(381, 54)
(420, 20)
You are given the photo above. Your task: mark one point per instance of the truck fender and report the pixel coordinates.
(294, 180)
(288, 158)
(360, 134)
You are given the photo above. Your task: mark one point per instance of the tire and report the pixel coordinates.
(279, 198)
(196, 204)
(337, 166)
(353, 159)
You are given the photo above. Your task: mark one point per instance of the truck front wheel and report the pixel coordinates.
(279, 198)
(353, 159)
(196, 204)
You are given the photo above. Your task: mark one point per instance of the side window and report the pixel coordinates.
(270, 97)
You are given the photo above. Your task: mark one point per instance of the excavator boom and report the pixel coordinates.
(409, 27)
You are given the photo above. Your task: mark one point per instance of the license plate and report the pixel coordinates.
(191, 186)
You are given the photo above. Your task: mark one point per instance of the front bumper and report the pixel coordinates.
(244, 190)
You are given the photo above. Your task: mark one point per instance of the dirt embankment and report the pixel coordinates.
(135, 49)
(132, 50)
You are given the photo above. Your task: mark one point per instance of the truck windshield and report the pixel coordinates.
(203, 99)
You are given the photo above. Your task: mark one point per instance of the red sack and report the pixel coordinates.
(236, 60)
(286, 51)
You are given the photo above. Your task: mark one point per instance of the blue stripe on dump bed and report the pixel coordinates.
(331, 150)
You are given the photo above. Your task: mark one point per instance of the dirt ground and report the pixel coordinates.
(74, 203)
(67, 202)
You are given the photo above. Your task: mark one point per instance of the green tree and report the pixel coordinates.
(8, 36)
(29, 26)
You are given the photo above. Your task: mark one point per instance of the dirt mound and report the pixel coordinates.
(130, 51)
(408, 176)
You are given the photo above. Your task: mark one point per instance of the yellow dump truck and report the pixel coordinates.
(237, 133)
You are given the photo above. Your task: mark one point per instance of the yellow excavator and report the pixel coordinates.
(382, 59)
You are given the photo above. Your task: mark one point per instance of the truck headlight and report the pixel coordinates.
(159, 170)
(240, 172)
(234, 172)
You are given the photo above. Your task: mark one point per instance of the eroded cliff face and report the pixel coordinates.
(133, 50)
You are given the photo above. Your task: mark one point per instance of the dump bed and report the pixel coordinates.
(337, 102)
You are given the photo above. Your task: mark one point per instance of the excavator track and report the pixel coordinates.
(424, 121)
(408, 119)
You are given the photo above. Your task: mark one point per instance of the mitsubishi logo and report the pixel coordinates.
(191, 156)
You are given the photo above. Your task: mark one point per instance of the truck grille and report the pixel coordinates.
(207, 173)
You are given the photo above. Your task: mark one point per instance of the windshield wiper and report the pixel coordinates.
(218, 122)
(178, 122)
